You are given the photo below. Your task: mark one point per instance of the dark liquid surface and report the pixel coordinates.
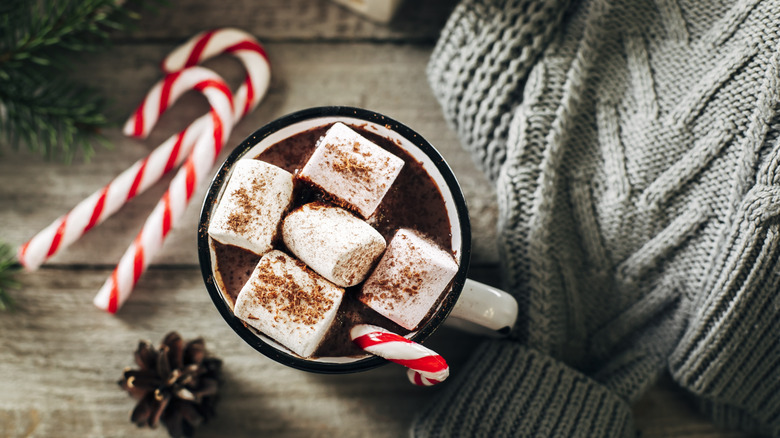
(413, 201)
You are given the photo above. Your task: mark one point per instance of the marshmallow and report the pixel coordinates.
(352, 169)
(288, 302)
(252, 205)
(409, 279)
(332, 242)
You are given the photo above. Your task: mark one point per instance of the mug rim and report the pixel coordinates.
(219, 179)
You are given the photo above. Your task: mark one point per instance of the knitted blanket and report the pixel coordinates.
(634, 148)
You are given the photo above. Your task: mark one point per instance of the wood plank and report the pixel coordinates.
(59, 370)
(293, 20)
(71, 355)
(389, 79)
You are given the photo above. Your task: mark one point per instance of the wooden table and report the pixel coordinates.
(60, 357)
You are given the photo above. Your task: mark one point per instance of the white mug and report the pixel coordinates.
(468, 304)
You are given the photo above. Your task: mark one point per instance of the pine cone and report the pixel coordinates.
(176, 384)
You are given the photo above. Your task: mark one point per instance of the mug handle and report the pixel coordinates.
(483, 310)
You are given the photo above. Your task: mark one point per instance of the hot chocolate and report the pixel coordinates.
(413, 202)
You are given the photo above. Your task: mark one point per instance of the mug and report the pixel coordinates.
(468, 304)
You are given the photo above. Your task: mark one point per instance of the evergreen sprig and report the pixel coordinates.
(40, 105)
(8, 267)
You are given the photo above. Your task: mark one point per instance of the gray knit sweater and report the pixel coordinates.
(634, 148)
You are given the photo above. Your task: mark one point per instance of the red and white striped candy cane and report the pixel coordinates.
(169, 209)
(138, 177)
(159, 98)
(144, 173)
(426, 367)
(236, 42)
(148, 242)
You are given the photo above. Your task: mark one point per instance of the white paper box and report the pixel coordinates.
(379, 10)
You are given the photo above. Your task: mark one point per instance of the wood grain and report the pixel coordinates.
(67, 356)
(390, 81)
(60, 359)
(299, 20)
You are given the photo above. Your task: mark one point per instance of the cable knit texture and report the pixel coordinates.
(634, 148)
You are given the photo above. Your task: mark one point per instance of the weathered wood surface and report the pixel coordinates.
(296, 20)
(304, 75)
(60, 357)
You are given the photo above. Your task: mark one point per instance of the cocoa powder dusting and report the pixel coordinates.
(350, 164)
(239, 221)
(282, 294)
(404, 285)
(413, 201)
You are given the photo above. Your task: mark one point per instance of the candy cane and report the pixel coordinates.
(234, 41)
(144, 173)
(140, 176)
(133, 263)
(168, 210)
(426, 367)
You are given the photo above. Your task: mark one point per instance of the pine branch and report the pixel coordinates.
(40, 106)
(8, 267)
